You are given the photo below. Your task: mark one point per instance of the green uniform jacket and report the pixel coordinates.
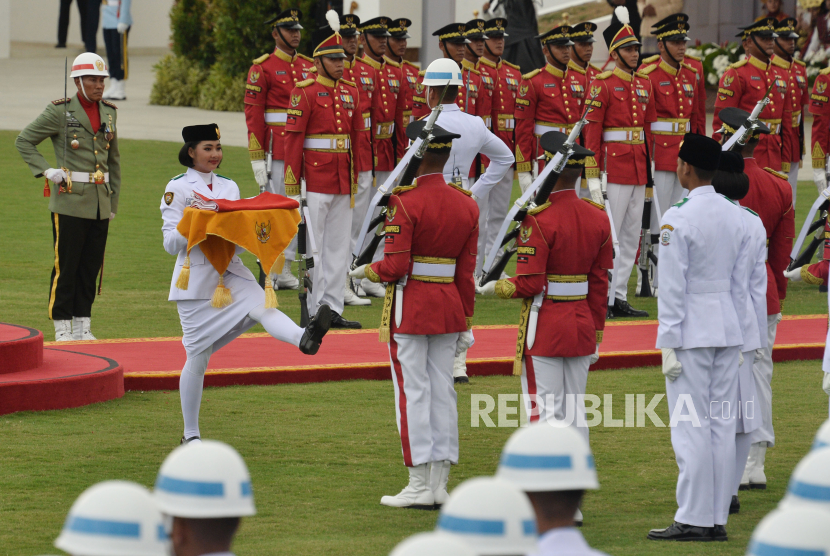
(87, 200)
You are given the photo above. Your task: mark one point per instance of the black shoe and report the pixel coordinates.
(719, 531)
(734, 506)
(609, 314)
(188, 440)
(623, 309)
(316, 329)
(337, 321)
(461, 380)
(682, 532)
(60, 46)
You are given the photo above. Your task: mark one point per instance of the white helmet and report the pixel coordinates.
(114, 518)
(443, 71)
(89, 63)
(204, 480)
(432, 544)
(546, 457)
(810, 482)
(791, 531)
(822, 436)
(490, 515)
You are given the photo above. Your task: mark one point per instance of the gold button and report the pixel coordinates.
(94, 138)
(96, 152)
(337, 113)
(339, 129)
(338, 121)
(97, 166)
(315, 164)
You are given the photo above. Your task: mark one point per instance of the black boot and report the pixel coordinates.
(719, 532)
(337, 321)
(188, 440)
(734, 505)
(682, 532)
(316, 329)
(623, 309)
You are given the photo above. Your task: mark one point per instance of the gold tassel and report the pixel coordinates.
(184, 276)
(222, 295)
(270, 295)
(520, 341)
(384, 332)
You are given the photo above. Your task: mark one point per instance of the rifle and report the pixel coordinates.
(742, 135)
(494, 265)
(418, 149)
(615, 244)
(646, 255)
(306, 262)
(269, 160)
(800, 258)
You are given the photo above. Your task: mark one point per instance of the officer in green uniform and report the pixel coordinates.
(84, 191)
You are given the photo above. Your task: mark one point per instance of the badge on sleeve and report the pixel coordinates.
(168, 197)
(665, 234)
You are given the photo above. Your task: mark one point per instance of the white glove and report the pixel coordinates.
(260, 173)
(122, 28)
(778, 318)
(525, 179)
(595, 356)
(465, 342)
(671, 366)
(740, 358)
(820, 178)
(793, 275)
(55, 176)
(595, 187)
(759, 354)
(359, 272)
(112, 216)
(489, 288)
(825, 384)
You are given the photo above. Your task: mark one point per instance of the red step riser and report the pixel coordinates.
(21, 354)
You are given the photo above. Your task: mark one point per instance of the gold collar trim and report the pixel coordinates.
(377, 65)
(624, 75)
(554, 72)
(487, 62)
(466, 64)
(758, 63)
(666, 67)
(284, 56)
(326, 82)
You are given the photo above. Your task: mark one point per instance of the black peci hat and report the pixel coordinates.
(496, 28)
(733, 118)
(441, 144)
(349, 24)
(205, 132)
(454, 33)
(583, 32)
(700, 151)
(732, 162)
(288, 19)
(553, 140)
(398, 28)
(377, 26)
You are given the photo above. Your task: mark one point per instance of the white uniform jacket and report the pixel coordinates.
(756, 302)
(564, 541)
(177, 196)
(703, 269)
(475, 139)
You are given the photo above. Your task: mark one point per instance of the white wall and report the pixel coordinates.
(5, 28)
(410, 9)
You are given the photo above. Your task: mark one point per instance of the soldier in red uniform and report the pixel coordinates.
(321, 132)
(582, 35)
(550, 99)
(409, 71)
(564, 254)
(270, 80)
(452, 42)
(820, 134)
(798, 95)
(618, 127)
(506, 78)
(746, 82)
(428, 261)
(479, 87)
(770, 196)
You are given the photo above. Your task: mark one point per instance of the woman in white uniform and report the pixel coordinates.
(205, 328)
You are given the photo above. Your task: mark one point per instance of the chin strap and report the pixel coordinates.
(285, 42)
(323, 65)
(372, 50)
(575, 55)
(557, 60)
(488, 50)
(83, 89)
(787, 56)
(624, 63)
(672, 58)
(758, 46)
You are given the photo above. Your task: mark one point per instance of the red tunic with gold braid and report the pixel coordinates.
(699, 114)
(503, 105)
(798, 96)
(817, 273)
(565, 242)
(820, 109)
(363, 76)
(409, 80)
(386, 110)
(267, 92)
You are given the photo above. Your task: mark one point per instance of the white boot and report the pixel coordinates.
(63, 330)
(373, 289)
(286, 280)
(109, 87)
(122, 90)
(459, 368)
(417, 493)
(750, 465)
(757, 479)
(439, 474)
(578, 517)
(80, 329)
(350, 297)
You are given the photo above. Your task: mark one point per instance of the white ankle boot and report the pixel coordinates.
(373, 289)
(350, 297)
(459, 368)
(80, 329)
(417, 493)
(286, 280)
(109, 88)
(753, 477)
(63, 330)
(439, 474)
(578, 517)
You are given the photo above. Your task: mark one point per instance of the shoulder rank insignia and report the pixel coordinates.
(461, 189)
(422, 73)
(750, 211)
(739, 63)
(681, 203)
(306, 58)
(261, 58)
(776, 174)
(599, 206)
(800, 62)
(695, 58)
(108, 103)
(403, 189)
(61, 101)
(306, 83)
(604, 75)
(540, 208)
(650, 59)
(168, 197)
(825, 71)
(177, 177)
(511, 64)
(644, 71)
(350, 83)
(688, 67)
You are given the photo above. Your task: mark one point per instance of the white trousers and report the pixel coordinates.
(748, 420)
(492, 210)
(361, 205)
(705, 453)
(551, 383)
(792, 177)
(331, 220)
(626, 205)
(277, 185)
(763, 386)
(425, 399)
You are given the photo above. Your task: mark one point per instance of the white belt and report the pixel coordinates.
(327, 144)
(113, 3)
(774, 128)
(379, 128)
(567, 289)
(276, 117)
(367, 122)
(509, 123)
(86, 177)
(671, 127)
(708, 286)
(540, 129)
(488, 121)
(433, 270)
(623, 136)
(797, 119)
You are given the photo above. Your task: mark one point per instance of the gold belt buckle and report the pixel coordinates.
(341, 143)
(98, 177)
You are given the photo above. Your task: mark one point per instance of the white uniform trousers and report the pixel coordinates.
(425, 399)
(763, 384)
(552, 383)
(706, 453)
(331, 220)
(792, 177)
(747, 420)
(361, 205)
(492, 210)
(277, 185)
(626, 205)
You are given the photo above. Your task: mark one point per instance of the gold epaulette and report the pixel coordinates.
(800, 62)
(347, 82)
(695, 58)
(408, 63)
(739, 63)
(590, 65)
(650, 59)
(577, 69)
(403, 189)
(305, 83)
(422, 73)
(777, 174)
(780, 63)
(461, 189)
(392, 63)
(537, 210)
(599, 206)
(261, 58)
(61, 101)
(646, 70)
(532, 74)
(306, 58)
(312, 69)
(108, 103)
(512, 65)
(642, 75)
(604, 75)
(825, 71)
(687, 66)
